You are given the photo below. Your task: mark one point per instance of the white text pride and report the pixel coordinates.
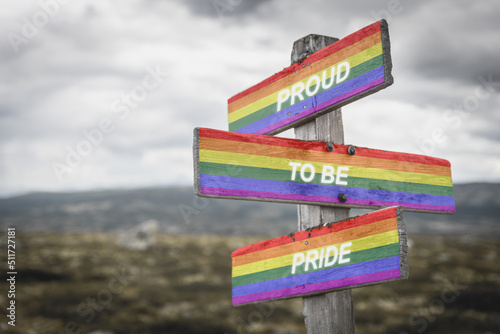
(325, 257)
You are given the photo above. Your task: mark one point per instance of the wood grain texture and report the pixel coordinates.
(305, 46)
(331, 312)
(271, 269)
(258, 110)
(254, 167)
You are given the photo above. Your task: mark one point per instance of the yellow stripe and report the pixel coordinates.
(355, 60)
(377, 240)
(239, 159)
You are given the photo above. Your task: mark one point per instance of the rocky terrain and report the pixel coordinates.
(83, 282)
(159, 261)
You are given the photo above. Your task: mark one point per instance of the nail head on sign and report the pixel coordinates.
(330, 147)
(306, 242)
(342, 197)
(351, 150)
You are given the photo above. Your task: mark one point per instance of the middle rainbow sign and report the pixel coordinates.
(263, 168)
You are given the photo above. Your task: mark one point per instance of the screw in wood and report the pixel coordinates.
(342, 197)
(330, 147)
(351, 150)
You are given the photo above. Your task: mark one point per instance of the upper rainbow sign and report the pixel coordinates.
(345, 71)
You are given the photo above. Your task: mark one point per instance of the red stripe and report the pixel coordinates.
(416, 158)
(320, 146)
(302, 235)
(332, 48)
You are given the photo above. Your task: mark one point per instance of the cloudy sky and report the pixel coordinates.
(97, 94)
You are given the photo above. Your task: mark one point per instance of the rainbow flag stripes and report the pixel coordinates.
(361, 251)
(264, 168)
(345, 71)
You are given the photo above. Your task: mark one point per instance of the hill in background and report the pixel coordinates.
(178, 210)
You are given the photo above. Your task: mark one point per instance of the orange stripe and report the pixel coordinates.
(316, 242)
(222, 145)
(345, 53)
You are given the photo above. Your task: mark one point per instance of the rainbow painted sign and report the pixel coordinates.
(345, 71)
(264, 168)
(361, 251)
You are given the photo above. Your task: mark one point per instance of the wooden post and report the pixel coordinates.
(331, 312)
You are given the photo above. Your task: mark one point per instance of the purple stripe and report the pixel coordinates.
(317, 102)
(353, 92)
(323, 190)
(321, 106)
(320, 199)
(317, 287)
(356, 269)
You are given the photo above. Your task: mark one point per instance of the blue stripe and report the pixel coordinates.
(314, 100)
(295, 188)
(357, 269)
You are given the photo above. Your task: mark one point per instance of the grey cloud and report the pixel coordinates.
(221, 8)
(458, 45)
(487, 130)
(439, 50)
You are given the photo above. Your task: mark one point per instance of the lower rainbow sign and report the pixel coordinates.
(360, 251)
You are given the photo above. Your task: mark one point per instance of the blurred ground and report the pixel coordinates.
(88, 283)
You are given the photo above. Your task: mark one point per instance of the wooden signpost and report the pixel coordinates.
(357, 252)
(343, 72)
(323, 260)
(263, 168)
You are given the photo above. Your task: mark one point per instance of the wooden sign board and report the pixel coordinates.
(345, 71)
(264, 168)
(361, 251)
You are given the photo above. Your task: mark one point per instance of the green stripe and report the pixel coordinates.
(271, 109)
(210, 168)
(371, 254)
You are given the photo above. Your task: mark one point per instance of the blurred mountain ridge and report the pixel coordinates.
(178, 210)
